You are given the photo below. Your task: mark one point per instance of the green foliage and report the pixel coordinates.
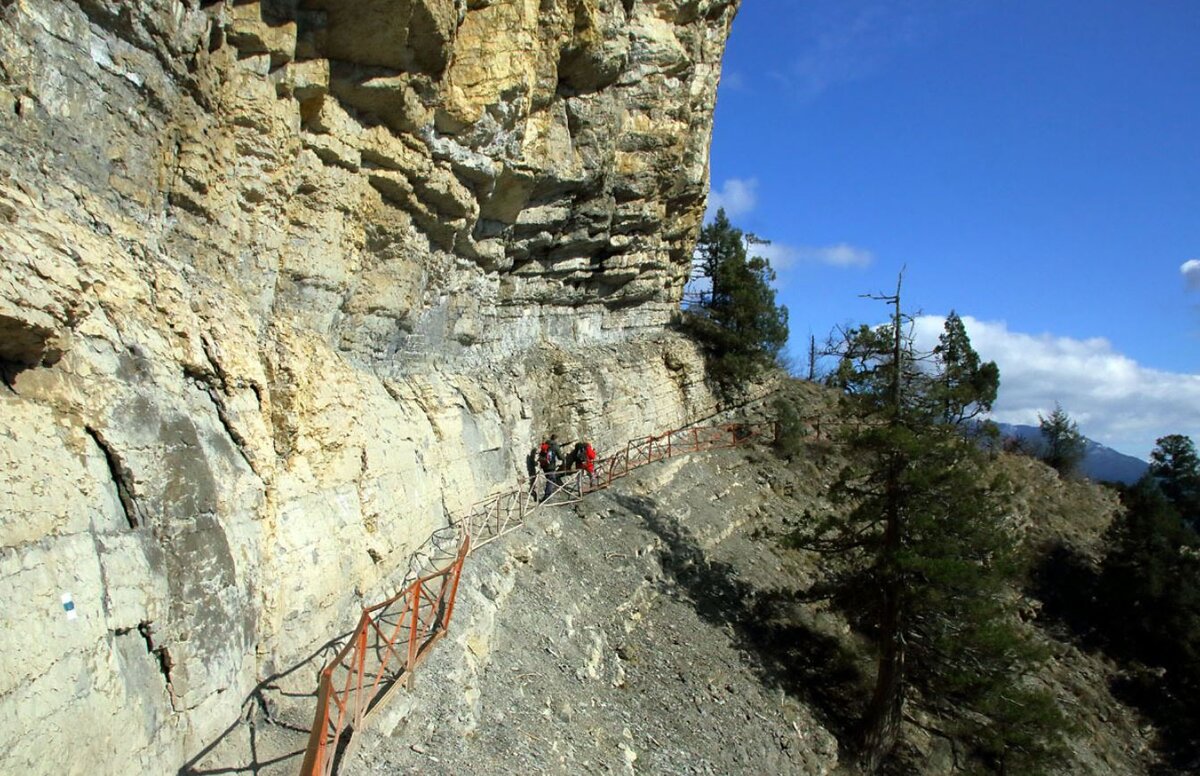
(1064, 445)
(988, 436)
(738, 322)
(924, 524)
(1176, 467)
(1014, 738)
(965, 387)
(1152, 575)
(949, 385)
(1142, 607)
(790, 431)
(1150, 589)
(955, 569)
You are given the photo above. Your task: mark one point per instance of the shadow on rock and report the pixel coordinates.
(1075, 607)
(258, 720)
(276, 745)
(771, 626)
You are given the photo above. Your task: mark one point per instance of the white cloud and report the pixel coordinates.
(840, 255)
(733, 81)
(1115, 400)
(780, 255)
(1191, 274)
(738, 196)
(783, 256)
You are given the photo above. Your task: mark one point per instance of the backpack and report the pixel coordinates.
(546, 458)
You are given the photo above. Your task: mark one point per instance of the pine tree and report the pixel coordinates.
(1063, 445)
(964, 379)
(738, 321)
(1176, 467)
(924, 525)
(1150, 588)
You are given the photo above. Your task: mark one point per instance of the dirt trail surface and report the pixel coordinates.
(657, 628)
(609, 638)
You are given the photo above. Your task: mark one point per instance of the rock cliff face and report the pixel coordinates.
(286, 284)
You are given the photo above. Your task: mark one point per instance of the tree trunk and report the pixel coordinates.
(881, 724)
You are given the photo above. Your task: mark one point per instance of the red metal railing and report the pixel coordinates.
(394, 636)
(390, 640)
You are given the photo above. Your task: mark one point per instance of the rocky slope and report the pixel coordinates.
(285, 285)
(608, 638)
(653, 629)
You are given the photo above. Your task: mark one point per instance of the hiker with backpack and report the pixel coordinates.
(549, 459)
(583, 456)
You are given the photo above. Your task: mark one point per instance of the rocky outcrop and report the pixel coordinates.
(285, 285)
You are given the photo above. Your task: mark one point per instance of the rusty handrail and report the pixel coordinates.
(419, 615)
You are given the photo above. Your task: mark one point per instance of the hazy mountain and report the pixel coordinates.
(1100, 463)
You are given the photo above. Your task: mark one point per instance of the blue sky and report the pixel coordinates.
(1034, 165)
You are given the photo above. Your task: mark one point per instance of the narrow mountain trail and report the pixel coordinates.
(609, 637)
(657, 628)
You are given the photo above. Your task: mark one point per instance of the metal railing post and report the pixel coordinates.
(458, 565)
(314, 754)
(360, 665)
(412, 631)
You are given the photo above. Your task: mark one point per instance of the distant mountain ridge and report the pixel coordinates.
(1100, 463)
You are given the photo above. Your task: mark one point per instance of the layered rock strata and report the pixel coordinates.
(287, 284)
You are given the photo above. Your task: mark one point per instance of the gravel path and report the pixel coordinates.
(604, 639)
(654, 629)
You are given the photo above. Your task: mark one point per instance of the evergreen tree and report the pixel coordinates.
(967, 387)
(790, 430)
(1064, 446)
(926, 531)
(1150, 589)
(738, 321)
(1176, 467)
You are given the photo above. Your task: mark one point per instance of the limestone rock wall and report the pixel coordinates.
(286, 284)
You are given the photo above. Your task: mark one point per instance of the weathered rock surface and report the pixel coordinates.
(284, 285)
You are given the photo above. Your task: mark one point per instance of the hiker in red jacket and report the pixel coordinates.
(585, 458)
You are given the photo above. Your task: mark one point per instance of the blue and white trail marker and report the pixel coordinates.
(69, 606)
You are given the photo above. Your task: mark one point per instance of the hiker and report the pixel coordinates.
(589, 462)
(549, 459)
(531, 467)
(583, 456)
